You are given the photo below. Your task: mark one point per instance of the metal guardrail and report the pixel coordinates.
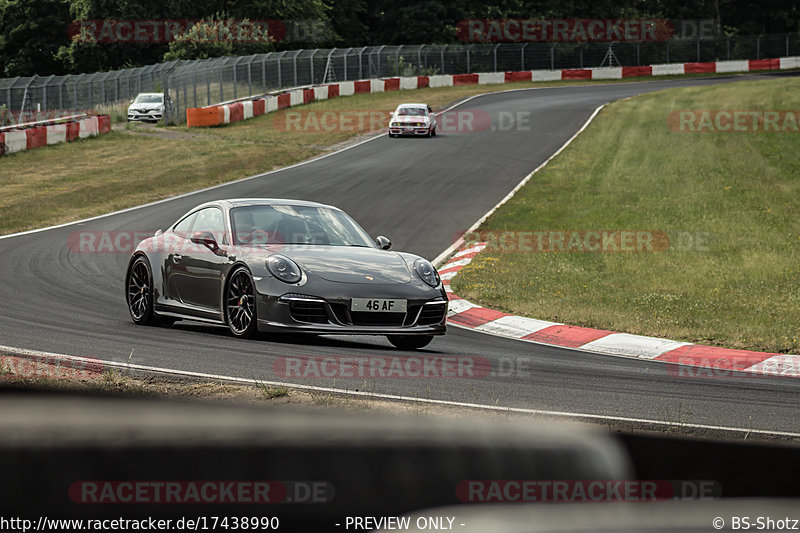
(199, 83)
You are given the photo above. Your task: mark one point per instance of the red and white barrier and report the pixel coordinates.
(36, 136)
(221, 114)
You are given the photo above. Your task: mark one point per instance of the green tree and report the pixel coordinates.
(217, 37)
(31, 32)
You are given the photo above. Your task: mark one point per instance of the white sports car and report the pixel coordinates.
(412, 119)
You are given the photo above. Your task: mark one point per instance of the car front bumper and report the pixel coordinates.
(303, 311)
(155, 116)
(416, 130)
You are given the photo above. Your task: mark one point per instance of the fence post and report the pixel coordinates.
(419, 57)
(468, 69)
(522, 56)
(728, 44)
(758, 47)
(494, 53)
(698, 48)
(552, 57)
(361, 63)
(638, 55)
(234, 80)
(250, 78)
(787, 45)
(441, 53)
(294, 65)
(397, 61)
(667, 58)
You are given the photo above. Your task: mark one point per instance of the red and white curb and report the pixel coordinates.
(466, 314)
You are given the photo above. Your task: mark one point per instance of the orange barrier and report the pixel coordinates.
(308, 96)
(259, 107)
(203, 116)
(333, 91)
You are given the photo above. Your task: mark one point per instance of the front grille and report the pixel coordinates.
(361, 318)
(313, 312)
(431, 314)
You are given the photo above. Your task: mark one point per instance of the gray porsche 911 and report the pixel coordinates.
(284, 266)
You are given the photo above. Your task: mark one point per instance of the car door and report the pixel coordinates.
(197, 270)
(174, 246)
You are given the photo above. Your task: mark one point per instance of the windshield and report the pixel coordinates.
(412, 111)
(149, 99)
(296, 224)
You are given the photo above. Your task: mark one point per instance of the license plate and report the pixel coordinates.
(378, 305)
(409, 128)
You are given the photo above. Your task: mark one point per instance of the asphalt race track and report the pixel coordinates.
(420, 193)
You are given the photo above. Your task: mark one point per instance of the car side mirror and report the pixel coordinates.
(383, 242)
(206, 238)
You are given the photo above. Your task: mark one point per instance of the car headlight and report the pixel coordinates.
(426, 272)
(284, 268)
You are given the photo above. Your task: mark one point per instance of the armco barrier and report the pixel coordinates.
(224, 114)
(38, 135)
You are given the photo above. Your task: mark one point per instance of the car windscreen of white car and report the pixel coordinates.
(412, 111)
(149, 99)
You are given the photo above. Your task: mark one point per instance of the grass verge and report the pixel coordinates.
(728, 202)
(137, 163)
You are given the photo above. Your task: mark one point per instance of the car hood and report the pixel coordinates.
(409, 118)
(350, 264)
